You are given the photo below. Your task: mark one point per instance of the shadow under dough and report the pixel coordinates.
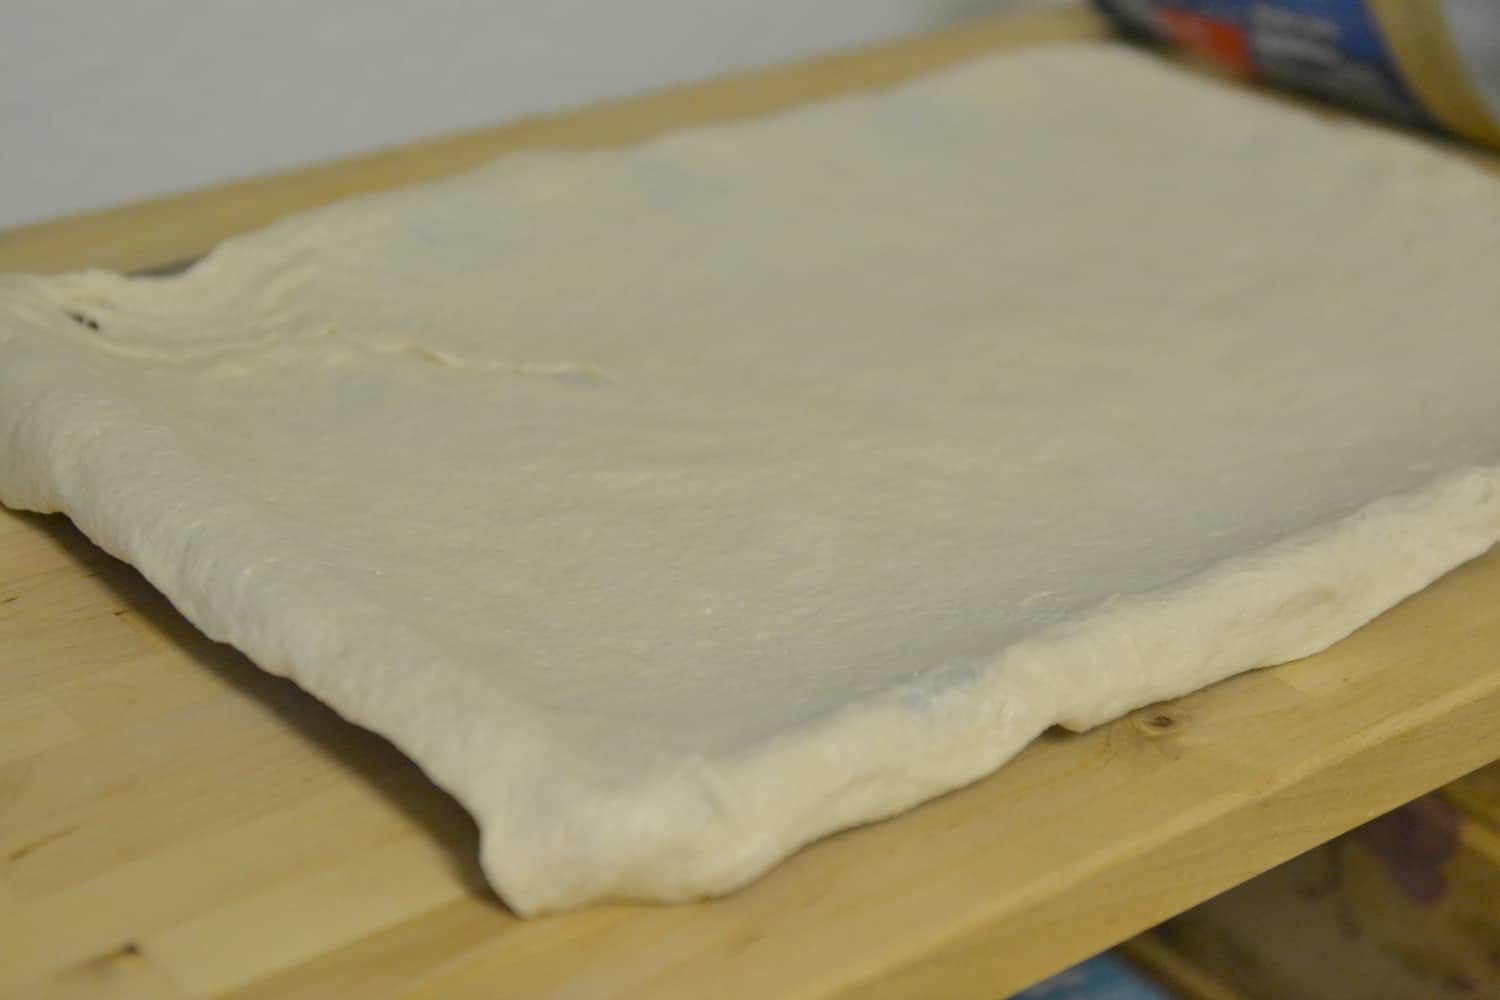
(361, 754)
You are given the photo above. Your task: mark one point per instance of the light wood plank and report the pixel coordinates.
(125, 974)
(293, 920)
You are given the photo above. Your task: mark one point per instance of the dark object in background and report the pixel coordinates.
(1429, 63)
(1402, 908)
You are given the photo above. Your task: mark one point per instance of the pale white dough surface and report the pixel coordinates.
(676, 505)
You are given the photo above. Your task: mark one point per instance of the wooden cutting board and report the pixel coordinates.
(174, 822)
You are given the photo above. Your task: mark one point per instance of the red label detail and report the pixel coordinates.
(1221, 42)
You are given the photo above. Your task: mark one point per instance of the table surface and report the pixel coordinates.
(174, 822)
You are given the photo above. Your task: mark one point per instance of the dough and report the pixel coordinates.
(676, 505)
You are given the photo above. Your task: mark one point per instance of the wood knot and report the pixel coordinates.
(1160, 721)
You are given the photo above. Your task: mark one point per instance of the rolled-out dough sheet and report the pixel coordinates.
(673, 506)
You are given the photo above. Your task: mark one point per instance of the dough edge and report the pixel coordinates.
(692, 828)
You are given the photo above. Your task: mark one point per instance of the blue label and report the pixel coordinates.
(1103, 977)
(1331, 48)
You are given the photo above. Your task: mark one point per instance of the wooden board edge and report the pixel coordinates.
(180, 226)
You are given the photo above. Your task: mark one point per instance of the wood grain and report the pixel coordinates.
(174, 822)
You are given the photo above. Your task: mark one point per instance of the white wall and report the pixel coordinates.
(103, 101)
